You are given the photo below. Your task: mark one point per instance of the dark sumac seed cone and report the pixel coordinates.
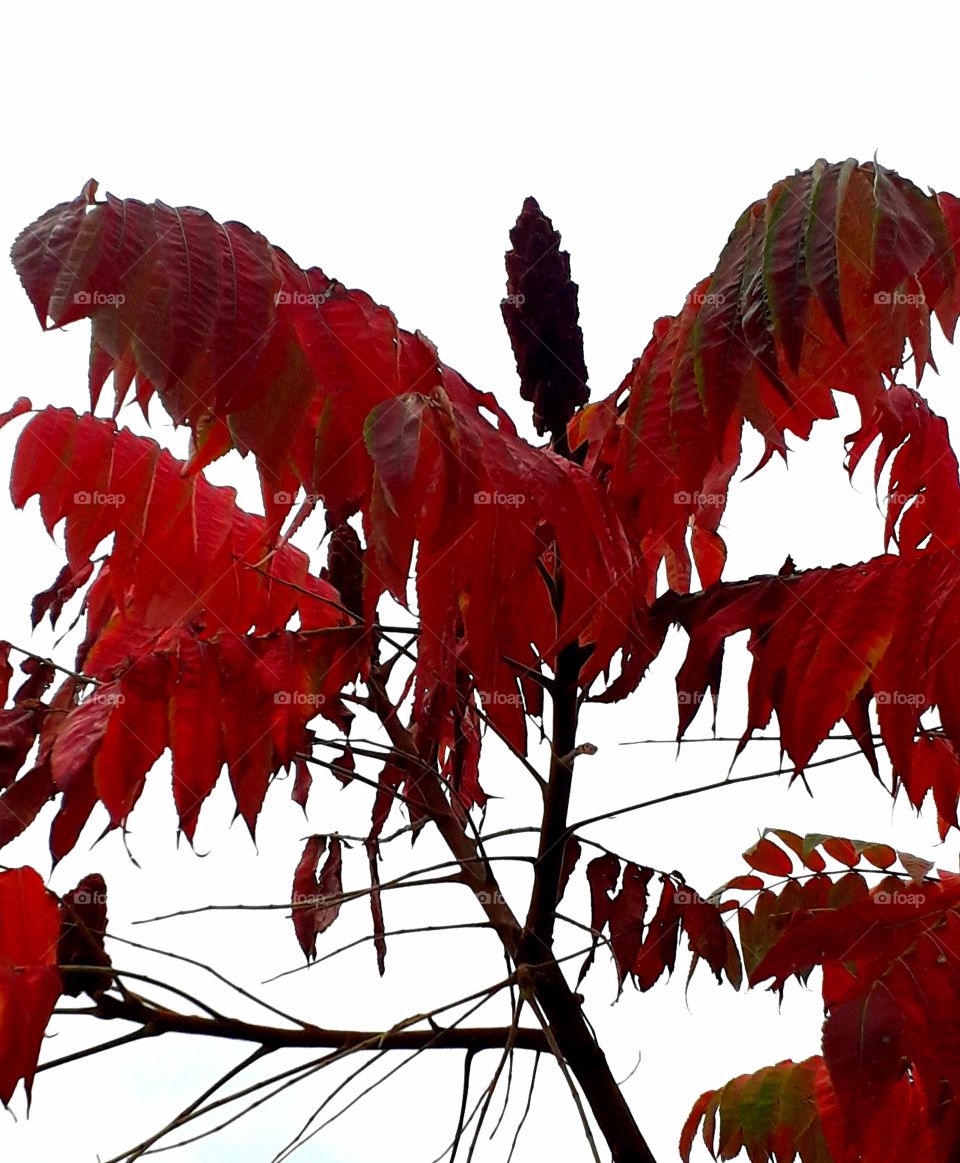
(541, 315)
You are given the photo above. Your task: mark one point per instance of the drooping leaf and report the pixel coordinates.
(603, 872)
(625, 915)
(302, 783)
(51, 601)
(572, 851)
(166, 646)
(236, 339)
(658, 952)
(823, 639)
(316, 898)
(819, 289)
(376, 905)
(29, 981)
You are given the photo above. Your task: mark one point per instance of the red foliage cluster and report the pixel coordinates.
(208, 634)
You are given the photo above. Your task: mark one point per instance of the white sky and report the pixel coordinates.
(393, 146)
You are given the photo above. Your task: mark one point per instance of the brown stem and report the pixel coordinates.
(560, 1005)
(553, 833)
(157, 1021)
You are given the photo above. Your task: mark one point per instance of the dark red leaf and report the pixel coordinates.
(376, 904)
(22, 801)
(863, 1050)
(571, 854)
(658, 952)
(83, 923)
(316, 898)
(302, 783)
(625, 916)
(603, 872)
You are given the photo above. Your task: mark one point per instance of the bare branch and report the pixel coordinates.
(163, 1021)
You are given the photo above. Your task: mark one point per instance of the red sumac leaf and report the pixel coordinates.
(626, 913)
(841, 850)
(880, 855)
(766, 857)
(862, 1048)
(29, 981)
(571, 854)
(659, 949)
(316, 899)
(807, 853)
(302, 783)
(83, 923)
(745, 883)
(602, 875)
(709, 937)
(20, 804)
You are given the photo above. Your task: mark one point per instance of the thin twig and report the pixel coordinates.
(209, 969)
(133, 1036)
(729, 739)
(142, 1148)
(548, 1033)
(300, 1140)
(56, 665)
(730, 781)
(373, 937)
(526, 1109)
(487, 1096)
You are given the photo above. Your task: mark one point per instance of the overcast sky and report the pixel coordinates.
(393, 145)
